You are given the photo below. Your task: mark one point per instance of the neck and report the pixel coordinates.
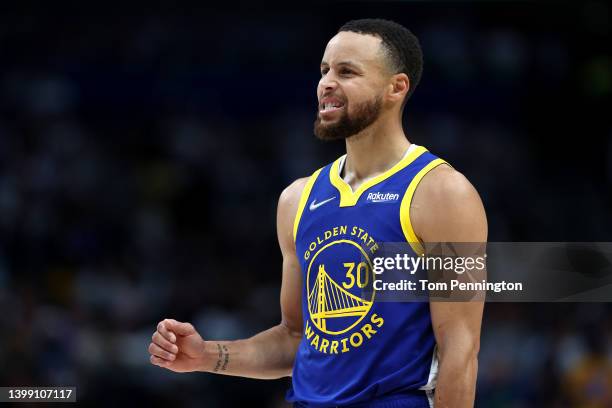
(374, 151)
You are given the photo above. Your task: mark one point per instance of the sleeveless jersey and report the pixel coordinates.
(355, 350)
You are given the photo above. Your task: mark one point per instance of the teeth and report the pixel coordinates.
(328, 106)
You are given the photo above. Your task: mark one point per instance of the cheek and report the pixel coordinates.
(357, 99)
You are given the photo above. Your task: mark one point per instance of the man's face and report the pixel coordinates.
(351, 86)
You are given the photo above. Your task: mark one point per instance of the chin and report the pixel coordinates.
(327, 124)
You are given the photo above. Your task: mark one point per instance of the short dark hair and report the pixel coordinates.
(401, 46)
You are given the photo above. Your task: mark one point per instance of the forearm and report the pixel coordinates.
(456, 386)
(267, 355)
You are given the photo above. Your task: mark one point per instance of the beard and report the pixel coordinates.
(349, 125)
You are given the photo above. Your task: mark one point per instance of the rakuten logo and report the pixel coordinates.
(382, 197)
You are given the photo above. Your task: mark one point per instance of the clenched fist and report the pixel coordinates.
(177, 346)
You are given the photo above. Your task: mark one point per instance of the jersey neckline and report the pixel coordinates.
(348, 197)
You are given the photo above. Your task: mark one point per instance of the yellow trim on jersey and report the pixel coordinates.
(349, 198)
(409, 233)
(303, 199)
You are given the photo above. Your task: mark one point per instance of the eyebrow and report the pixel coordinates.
(347, 62)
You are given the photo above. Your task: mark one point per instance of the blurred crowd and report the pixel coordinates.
(142, 156)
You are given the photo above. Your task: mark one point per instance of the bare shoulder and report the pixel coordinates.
(290, 197)
(288, 203)
(447, 207)
(445, 183)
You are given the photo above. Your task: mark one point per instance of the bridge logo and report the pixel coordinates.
(335, 286)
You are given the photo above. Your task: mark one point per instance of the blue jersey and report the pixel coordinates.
(356, 350)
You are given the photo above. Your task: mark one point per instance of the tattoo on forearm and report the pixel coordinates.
(223, 359)
(226, 358)
(219, 360)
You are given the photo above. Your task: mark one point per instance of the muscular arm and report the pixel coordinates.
(447, 208)
(270, 354)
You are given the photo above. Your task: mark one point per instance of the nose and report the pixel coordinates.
(327, 83)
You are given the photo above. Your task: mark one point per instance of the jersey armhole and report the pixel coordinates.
(303, 200)
(409, 234)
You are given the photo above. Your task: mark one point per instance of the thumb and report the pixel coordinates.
(183, 329)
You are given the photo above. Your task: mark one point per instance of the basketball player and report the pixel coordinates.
(339, 348)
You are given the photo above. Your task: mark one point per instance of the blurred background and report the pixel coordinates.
(142, 153)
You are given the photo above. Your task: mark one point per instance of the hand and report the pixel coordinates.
(177, 346)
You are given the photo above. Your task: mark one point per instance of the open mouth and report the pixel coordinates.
(330, 105)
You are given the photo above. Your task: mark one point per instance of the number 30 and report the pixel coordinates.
(362, 278)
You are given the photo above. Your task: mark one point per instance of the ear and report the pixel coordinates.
(398, 87)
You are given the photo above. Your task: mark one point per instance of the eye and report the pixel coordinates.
(324, 71)
(346, 72)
